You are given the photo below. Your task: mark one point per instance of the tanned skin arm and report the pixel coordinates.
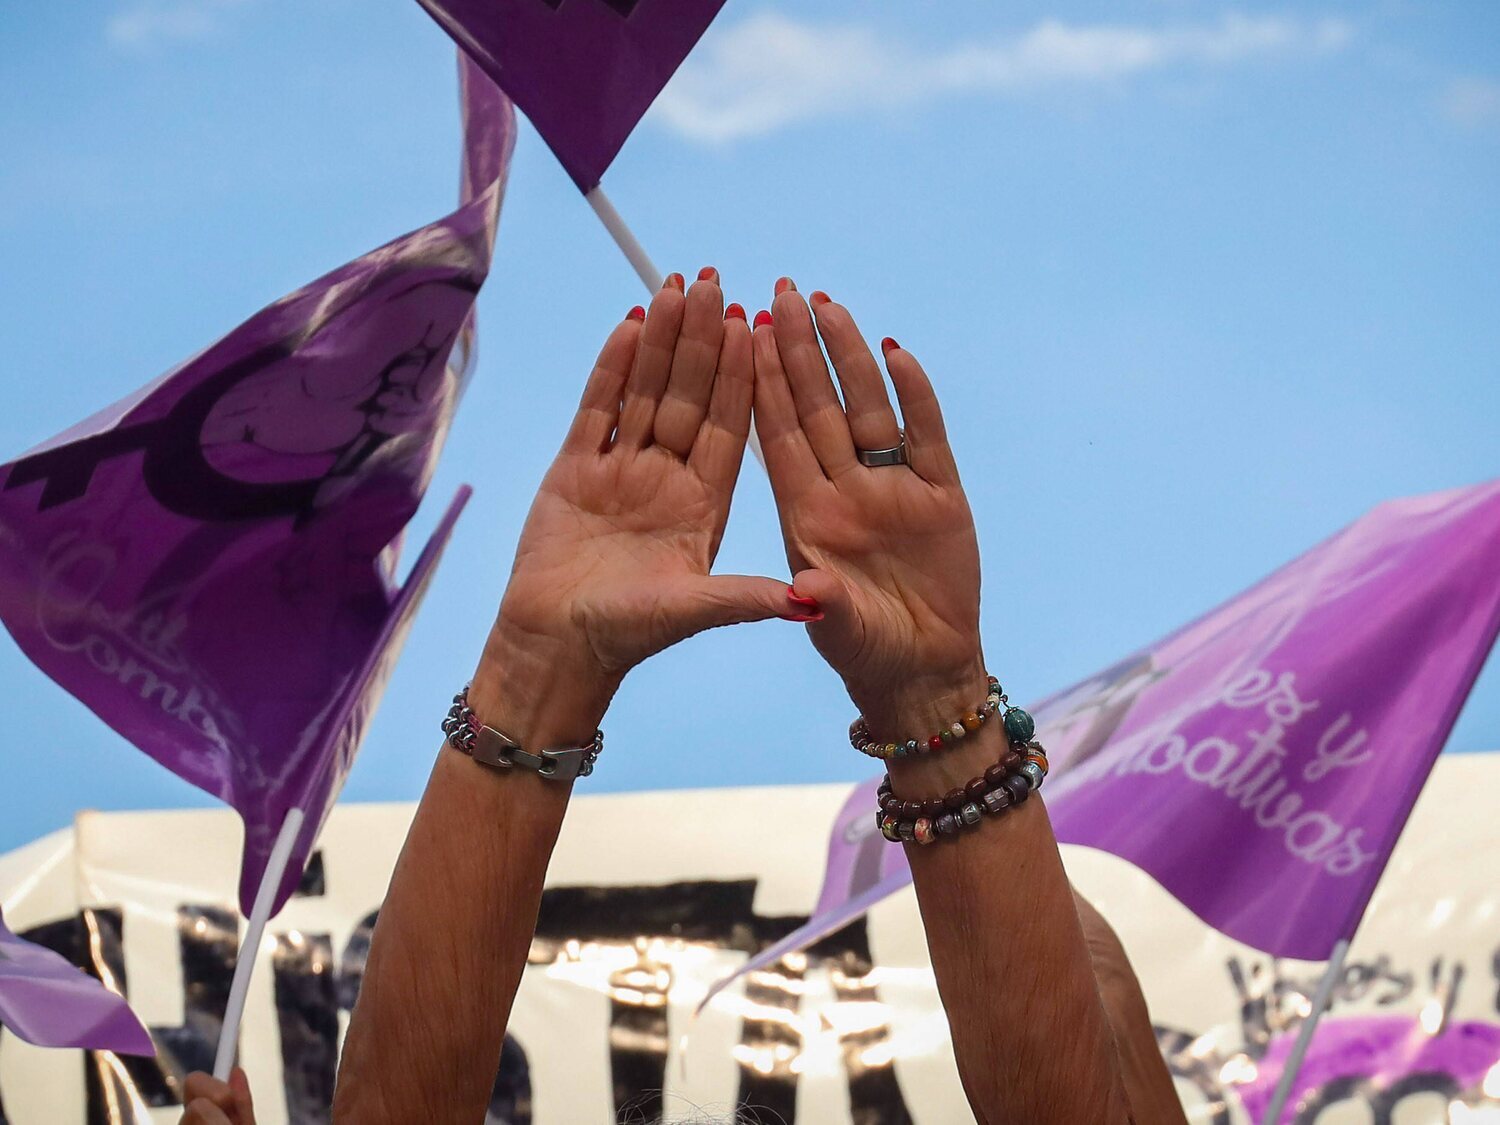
(1148, 1082)
(890, 555)
(612, 566)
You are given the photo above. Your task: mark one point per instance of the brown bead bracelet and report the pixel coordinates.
(1003, 785)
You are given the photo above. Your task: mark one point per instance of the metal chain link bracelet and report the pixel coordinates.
(467, 734)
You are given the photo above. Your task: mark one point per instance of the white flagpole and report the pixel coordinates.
(1320, 1000)
(244, 965)
(629, 245)
(641, 262)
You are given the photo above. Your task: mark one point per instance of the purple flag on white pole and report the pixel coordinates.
(583, 71)
(48, 1002)
(209, 564)
(1261, 761)
(1277, 744)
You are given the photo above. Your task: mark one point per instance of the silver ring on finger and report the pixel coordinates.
(879, 458)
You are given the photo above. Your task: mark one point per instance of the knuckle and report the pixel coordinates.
(669, 300)
(790, 304)
(834, 316)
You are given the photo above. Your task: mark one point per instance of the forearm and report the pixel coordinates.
(453, 935)
(1148, 1082)
(612, 567)
(1030, 1032)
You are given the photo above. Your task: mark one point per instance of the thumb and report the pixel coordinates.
(840, 629)
(244, 1106)
(731, 599)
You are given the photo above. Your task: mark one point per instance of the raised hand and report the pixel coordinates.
(208, 1101)
(613, 563)
(888, 553)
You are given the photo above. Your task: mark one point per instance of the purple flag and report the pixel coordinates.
(50, 1003)
(1358, 1052)
(1261, 761)
(209, 565)
(583, 71)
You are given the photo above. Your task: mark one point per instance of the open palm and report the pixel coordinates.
(614, 560)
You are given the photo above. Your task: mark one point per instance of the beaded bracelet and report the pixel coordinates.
(1004, 785)
(467, 733)
(859, 730)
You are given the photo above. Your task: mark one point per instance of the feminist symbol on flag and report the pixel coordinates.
(264, 437)
(1082, 720)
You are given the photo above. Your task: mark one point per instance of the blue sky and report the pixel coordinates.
(1198, 284)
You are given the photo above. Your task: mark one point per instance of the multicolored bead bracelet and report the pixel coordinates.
(1004, 785)
(859, 730)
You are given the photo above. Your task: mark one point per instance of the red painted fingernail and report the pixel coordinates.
(636, 313)
(888, 345)
(708, 273)
(785, 285)
(762, 318)
(674, 281)
(735, 310)
(811, 603)
(819, 298)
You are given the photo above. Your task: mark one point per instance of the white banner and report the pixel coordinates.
(653, 896)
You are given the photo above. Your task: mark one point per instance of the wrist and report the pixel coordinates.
(920, 706)
(542, 691)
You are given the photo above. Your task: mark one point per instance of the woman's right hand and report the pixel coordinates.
(889, 553)
(613, 563)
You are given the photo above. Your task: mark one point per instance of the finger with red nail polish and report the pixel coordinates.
(808, 608)
(818, 298)
(636, 313)
(735, 310)
(810, 603)
(785, 285)
(674, 281)
(762, 318)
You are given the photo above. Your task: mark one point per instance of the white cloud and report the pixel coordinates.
(150, 22)
(1473, 101)
(771, 70)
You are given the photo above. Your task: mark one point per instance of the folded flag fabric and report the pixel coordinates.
(1273, 749)
(583, 71)
(1261, 761)
(209, 564)
(50, 1003)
